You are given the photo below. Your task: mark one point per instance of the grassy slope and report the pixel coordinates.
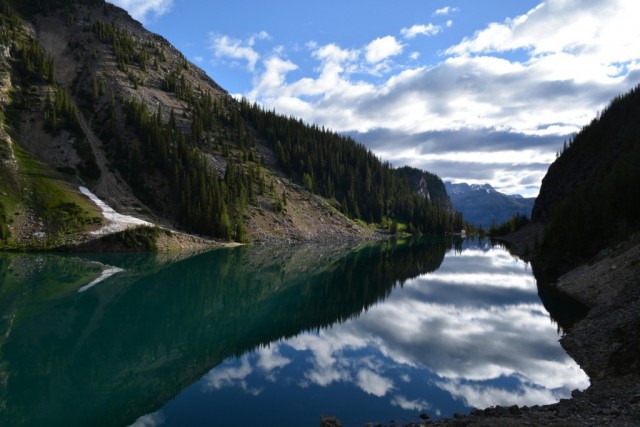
(35, 200)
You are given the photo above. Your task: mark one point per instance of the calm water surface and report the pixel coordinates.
(274, 337)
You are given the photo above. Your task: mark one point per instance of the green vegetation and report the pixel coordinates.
(5, 233)
(60, 205)
(516, 222)
(64, 211)
(29, 192)
(34, 65)
(602, 206)
(207, 203)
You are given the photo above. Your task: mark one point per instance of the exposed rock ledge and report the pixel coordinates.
(606, 344)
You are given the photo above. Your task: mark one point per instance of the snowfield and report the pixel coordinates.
(116, 222)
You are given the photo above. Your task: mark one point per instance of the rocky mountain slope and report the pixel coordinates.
(90, 98)
(483, 205)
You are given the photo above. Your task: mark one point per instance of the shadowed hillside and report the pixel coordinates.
(590, 197)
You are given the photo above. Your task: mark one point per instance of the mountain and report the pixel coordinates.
(482, 205)
(90, 98)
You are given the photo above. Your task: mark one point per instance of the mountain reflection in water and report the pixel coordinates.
(368, 335)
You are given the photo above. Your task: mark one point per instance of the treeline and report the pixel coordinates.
(513, 224)
(339, 168)
(603, 208)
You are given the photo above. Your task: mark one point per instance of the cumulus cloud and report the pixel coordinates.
(601, 30)
(408, 404)
(232, 375)
(143, 10)
(373, 383)
(271, 359)
(447, 10)
(420, 29)
(478, 396)
(226, 47)
(382, 48)
(571, 59)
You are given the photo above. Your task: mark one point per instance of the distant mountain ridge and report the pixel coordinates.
(482, 205)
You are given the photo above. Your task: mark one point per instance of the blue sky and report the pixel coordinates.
(473, 91)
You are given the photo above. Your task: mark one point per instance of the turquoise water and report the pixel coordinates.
(274, 336)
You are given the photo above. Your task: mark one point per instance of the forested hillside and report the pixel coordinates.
(590, 197)
(338, 168)
(97, 100)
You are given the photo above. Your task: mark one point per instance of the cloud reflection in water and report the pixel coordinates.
(474, 329)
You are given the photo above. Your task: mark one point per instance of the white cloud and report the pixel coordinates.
(484, 396)
(421, 29)
(226, 47)
(271, 359)
(373, 383)
(224, 376)
(572, 58)
(273, 78)
(447, 10)
(262, 35)
(382, 48)
(410, 405)
(142, 10)
(603, 31)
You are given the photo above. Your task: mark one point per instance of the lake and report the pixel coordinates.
(275, 336)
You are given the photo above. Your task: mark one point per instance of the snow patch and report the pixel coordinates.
(117, 222)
